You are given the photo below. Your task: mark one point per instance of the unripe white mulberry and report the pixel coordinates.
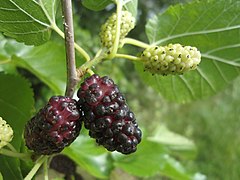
(108, 29)
(170, 59)
(6, 133)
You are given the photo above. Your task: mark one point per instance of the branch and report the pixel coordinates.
(72, 78)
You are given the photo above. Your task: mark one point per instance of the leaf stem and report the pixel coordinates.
(77, 47)
(135, 43)
(126, 56)
(118, 30)
(22, 156)
(35, 168)
(69, 44)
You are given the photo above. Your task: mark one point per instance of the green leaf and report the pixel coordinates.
(150, 159)
(49, 8)
(96, 5)
(211, 26)
(16, 105)
(178, 144)
(174, 169)
(146, 161)
(132, 6)
(174, 141)
(89, 156)
(47, 62)
(1, 178)
(27, 21)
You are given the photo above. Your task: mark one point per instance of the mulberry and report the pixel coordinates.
(107, 116)
(6, 133)
(108, 30)
(170, 59)
(54, 127)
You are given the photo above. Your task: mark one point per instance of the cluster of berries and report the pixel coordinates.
(101, 107)
(108, 29)
(170, 59)
(6, 133)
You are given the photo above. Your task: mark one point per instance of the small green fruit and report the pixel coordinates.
(6, 133)
(170, 59)
(108, 30)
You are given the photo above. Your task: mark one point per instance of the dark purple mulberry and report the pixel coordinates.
(54, 127)
(107, 116)
(63, 164)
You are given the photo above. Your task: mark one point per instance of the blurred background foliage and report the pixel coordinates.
(213, 123)
(194, 140)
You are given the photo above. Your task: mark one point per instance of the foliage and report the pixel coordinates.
(32, 40)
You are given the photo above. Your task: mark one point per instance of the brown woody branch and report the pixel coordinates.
(72, 78)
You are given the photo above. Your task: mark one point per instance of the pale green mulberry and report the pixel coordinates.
(6, 133)
(108, 29)
(170, 59)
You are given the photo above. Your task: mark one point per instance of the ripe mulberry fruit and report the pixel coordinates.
(108, 30)
(54, 127)
(107, 116)
(63, 164)
(170, 59)
(6, 133)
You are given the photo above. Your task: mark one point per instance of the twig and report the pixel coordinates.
(72, 78)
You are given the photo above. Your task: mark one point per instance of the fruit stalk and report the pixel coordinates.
(135, 43)
(118, 26)
(129, 57)
(38, 164)
(45, 167)
(22, 156)
(86, 67)
(72, 78)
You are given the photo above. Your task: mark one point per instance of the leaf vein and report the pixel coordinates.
(9, 22)
(222, 48)
(204, 77)
(8, 9)
(229, 62)
(173, 87)
(197, 33)
(29, 15)
(187, 85)
(25, 33)
(220, 72)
